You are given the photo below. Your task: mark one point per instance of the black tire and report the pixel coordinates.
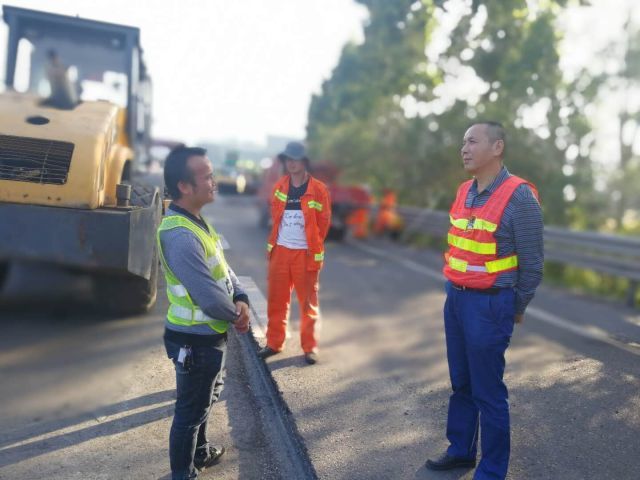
(126, 294)
(142, 195)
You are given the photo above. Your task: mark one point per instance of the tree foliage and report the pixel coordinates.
(392, 116)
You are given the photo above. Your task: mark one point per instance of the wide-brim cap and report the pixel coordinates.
(293, 150)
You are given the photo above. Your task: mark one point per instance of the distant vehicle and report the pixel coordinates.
(344, 198)
(69, 145)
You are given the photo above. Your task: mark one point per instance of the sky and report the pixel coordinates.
(244, 69)
(227, 70)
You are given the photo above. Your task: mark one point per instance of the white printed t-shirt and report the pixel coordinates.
(291, 232)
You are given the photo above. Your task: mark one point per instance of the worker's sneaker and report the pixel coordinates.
(447, 462)
(267, 352)
(205, 459)
(311, 358)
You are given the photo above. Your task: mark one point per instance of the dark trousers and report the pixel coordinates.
(197, 387)
(478, 329)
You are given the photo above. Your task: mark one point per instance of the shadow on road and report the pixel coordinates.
(47, 427)
(574, 401)
(100, 426)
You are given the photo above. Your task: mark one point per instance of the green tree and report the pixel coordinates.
(389, 117)
(624, 180)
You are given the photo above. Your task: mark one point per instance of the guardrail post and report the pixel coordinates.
(631, 293)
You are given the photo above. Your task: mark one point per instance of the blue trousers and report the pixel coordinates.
(197, 388)
(478, 328)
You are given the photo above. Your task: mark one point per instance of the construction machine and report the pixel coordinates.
(75, 122)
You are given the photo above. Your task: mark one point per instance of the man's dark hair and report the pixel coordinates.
(176, 169)
(495, 132)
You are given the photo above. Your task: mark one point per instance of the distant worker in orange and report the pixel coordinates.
(358, 220)
(301, 214)
(387, 219)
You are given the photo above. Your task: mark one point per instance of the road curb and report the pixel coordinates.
(279, 427)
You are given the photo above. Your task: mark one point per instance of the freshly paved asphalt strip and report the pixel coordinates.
(288, 449)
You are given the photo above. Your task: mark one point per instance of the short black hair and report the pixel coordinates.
(176, 170)
(495, 132)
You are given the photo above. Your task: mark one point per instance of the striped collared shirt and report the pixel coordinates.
(520, 232)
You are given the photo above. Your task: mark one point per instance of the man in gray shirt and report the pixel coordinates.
(204, 298)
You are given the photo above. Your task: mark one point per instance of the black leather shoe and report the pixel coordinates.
(311, 358)
(447, 462)
(207, 459)
(266, 352)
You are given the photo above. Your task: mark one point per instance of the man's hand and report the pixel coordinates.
(242, 323)
(519, 317)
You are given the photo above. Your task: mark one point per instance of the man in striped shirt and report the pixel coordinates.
(493, 267)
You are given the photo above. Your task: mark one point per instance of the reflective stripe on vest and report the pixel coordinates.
(471, 245)
(316, 205)
(212, 262)
(177, 290)
(476, 224)
(182, 310)
(319, 257)
(187, 316)
(269, 247)
(281, 196)
(494, 266)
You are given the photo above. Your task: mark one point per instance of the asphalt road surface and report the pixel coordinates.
(375, 406)
(86, 396)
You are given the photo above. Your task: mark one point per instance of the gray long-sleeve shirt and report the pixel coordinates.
(185, 256)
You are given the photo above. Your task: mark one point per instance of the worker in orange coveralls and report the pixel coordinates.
(387, 217)
(358, 220)
(301, 213)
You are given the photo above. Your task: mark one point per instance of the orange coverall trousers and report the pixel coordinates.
(288, 271)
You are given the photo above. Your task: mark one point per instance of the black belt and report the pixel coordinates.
(487, 291)
(184, 338)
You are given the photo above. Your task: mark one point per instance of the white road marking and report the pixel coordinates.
(589, 332)
(258, 307)
(411, 265)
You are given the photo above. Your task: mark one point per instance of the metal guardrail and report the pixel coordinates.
(610, 254)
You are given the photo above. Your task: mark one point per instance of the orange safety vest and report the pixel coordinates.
(316, 209)
(472, 260)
